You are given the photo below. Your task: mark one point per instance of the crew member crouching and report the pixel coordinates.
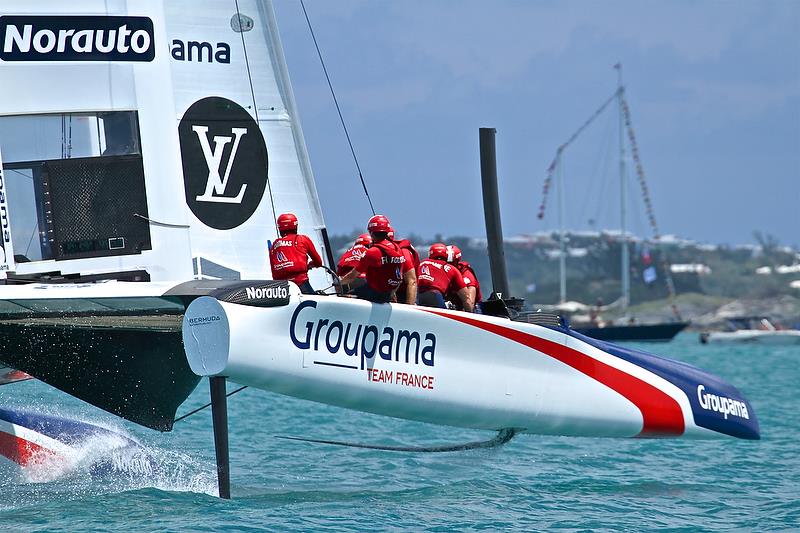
(407, 291)
(352, 256)
(470, 280)
(290, 253)
(383, 263)
(437, 278)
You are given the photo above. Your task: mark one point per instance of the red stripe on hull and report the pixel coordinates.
(13, 376)
(22, 451)
(662, 416)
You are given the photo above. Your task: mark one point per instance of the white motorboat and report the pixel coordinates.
(752, 330)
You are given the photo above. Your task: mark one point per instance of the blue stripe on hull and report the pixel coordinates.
(716, 404)
(70, 432)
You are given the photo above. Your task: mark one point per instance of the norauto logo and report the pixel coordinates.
(76, 38)
(259, 293)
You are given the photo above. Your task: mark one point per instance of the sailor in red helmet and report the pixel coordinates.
(289, 254)
(437, 278)
(352, 256)
(383, 263)
(407, 292)
(470, 279)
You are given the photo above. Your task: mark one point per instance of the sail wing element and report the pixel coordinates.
(244, 158)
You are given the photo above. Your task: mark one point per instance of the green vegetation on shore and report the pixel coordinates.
(719, 275)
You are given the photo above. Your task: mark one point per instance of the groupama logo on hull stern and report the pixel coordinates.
(721, 404)
(365, 341)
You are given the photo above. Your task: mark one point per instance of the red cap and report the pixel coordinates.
(438, 251)
(364, 239)
(453, 254)
(379, 223)
(287, 222)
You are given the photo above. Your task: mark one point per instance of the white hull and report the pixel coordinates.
(755, 336)
(466, 370)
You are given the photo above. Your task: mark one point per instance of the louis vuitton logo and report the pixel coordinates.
(216, 184)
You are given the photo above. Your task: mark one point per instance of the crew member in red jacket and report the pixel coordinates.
(470, 279)
(437, 278)
(383, 263)
(353, 255)
(407, 294)
(289, 254)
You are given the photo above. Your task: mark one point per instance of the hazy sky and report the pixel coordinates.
(713, 86)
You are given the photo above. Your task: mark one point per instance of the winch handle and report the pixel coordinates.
(336, 284)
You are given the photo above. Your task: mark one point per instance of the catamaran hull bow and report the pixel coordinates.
(45, 447)
(457, 369)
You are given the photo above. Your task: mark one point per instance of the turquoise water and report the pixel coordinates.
(531, 483)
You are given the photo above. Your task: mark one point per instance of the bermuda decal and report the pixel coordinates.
(204, 320)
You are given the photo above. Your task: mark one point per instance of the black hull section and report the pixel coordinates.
(120, 352)
(636, 332)
(139, 374)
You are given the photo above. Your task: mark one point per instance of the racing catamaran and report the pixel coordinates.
(145, 149)
(145, 153)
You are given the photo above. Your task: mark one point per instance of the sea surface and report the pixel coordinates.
(531, 483)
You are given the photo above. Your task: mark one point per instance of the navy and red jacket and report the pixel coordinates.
(384, 265)
(438, 275)
(470, 280)
(350, 259)
(289, 256)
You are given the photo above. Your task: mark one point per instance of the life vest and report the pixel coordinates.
(463, 266)
(438, 275)
(384, 272)
(350, 259)
(405, 244)
(413, 257)
(288, 259)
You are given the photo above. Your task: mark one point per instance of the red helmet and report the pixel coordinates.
(364, 239)
(390, 233)
(438, 251)
(453, 254)
(378, 223)
(287, 222)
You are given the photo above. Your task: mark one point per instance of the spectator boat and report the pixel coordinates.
(751, 330)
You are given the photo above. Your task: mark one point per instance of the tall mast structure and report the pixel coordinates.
(625, 274)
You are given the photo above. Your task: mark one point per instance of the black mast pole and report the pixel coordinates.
(219, 415)
(491, 210)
